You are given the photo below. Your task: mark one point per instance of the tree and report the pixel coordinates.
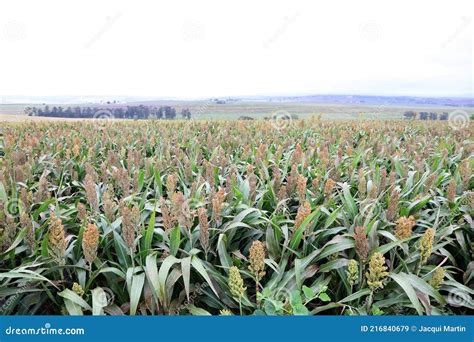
(409, 114)
(444, 116)
(423, 115)
(186, 113)
(170, 112)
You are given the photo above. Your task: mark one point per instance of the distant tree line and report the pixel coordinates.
(126, 112)
(425, 115)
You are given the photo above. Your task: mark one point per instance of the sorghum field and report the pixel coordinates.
(236, 218)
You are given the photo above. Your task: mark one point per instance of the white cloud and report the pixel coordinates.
(215, 48)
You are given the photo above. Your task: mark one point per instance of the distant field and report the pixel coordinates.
(233, 110)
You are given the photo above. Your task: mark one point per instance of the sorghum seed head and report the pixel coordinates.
(404, 227)
(257, 259)
(168, 221)
(362, 184)
(90, 242)
(171, 182)
(361, 243)
(301, 188)
(56, 241)
(204, 228)
(377, 271)
(128, 228)
(236, 283)
(451, 192)
(437, 278)
(392, 211)
(91, 193)
(303, 212)
(329, 186)
(225, 312)
(9, 232)
(426, 245)
(78, 289)
(81, 212)
(109, 204)
(353, 272)
(217, 201)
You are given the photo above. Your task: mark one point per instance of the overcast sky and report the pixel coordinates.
(192, 49)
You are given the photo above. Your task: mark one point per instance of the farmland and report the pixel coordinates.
(289, 217)
(210, 110)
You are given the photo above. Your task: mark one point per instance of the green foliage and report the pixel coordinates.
(146, 182)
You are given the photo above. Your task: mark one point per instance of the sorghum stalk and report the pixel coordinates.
(361, 243)
(168, 221)
(90, 242)
(451, 192)
(362, 184)
(352, 272)
(217, 201)
(257, 262)
(437, 278)
(392, 210)
(303, 212)
(204, 229)
(56, 239)
(91, 193)
(328, 187)
(425, 246)
(376, 275)
(236, 285)
(301, 188)
(404, 227)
